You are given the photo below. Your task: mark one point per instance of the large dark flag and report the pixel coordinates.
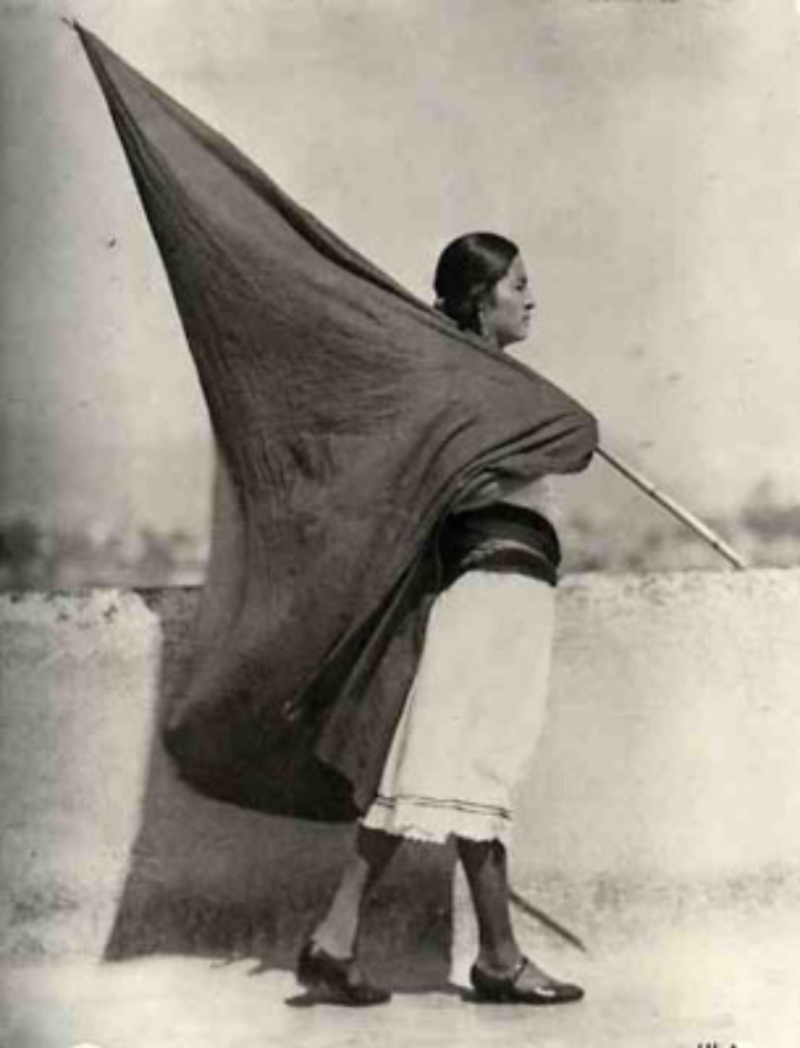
(350, 418)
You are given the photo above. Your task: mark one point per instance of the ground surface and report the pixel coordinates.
(680, 990)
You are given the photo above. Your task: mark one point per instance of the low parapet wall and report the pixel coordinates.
(669, 764)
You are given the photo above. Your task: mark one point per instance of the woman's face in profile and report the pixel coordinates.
(509, 308)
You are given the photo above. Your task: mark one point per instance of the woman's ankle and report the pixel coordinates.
(334, 942)
(499, 960)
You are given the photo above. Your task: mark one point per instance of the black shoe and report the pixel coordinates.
(505, 989)
(337, 978)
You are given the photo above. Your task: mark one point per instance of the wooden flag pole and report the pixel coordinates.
(687, 518)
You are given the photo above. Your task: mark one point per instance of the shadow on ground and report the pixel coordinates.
(209, 879)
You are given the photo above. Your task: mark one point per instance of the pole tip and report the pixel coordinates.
(71, 23)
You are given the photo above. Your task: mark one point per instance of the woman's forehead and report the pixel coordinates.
(516, 270)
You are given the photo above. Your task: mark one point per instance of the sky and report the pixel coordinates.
(643, 153)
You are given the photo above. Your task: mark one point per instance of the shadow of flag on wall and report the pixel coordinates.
(349, 418)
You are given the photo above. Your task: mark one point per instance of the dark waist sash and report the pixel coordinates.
(500, 538)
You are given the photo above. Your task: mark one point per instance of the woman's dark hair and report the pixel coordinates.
(467, 270)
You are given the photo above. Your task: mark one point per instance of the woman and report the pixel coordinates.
(311, 696)
(475, 710)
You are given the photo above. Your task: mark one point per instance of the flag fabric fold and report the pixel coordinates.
(350, 419)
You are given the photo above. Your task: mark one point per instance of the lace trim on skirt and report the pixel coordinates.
(432, 820)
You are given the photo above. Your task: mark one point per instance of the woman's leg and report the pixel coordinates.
(485, 864)
(337, 933)
(486, 867)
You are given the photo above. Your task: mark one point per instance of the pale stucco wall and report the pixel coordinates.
(668, 771)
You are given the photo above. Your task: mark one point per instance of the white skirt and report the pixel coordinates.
(474, 713)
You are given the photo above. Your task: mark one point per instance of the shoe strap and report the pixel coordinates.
(322, 954)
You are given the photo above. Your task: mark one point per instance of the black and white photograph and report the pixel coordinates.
(399, 523)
